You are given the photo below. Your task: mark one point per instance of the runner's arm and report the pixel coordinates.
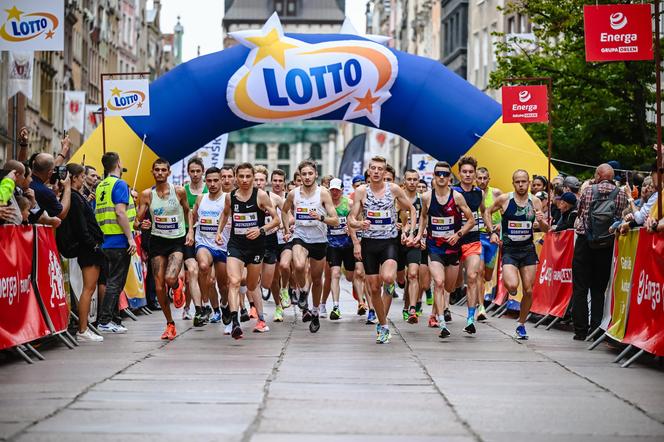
(223, 219)
(355, 211)
(470, 219)
(539, 216)
(184, 202)
(496, 206)
(143, 206)
(405, 203)
(193, 214)
(483, 214)
(285, 212)
(331, 219)
(265, 204)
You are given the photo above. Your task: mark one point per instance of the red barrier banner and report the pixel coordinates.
(553, 282)
(645, 323)
(21, 320)
(525, 104)
(618, 32)
(50, 282)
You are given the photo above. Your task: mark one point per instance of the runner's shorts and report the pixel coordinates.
(317, 250)
(247, 256)
(446, 259)
(189, 252)
(424, 259)
(376, 251)
(489, 251)
(520, 256)
(271, 255)
(407, 256)
(471, 249)
(337, 256)
(218, 255)
(165, 246)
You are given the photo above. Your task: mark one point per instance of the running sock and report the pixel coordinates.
(441, 321)
(199, 310)
(216, 310)
(412, 307)
(236, 318)
(418, 306)
(251, 304)
(314, 311)
(471, 312)
(261, 317)
(170, 322)
(428, 292)
(336, 305)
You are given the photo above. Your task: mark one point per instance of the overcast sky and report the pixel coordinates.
(202, 23)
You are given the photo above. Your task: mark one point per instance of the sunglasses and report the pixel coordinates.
(443, 173)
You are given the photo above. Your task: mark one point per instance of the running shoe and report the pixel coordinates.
(89, 336)
(215, 318)
(314, 326)
(170, 333)
(481, 316)
(433, 321)
(236, 332)
(261, 327)
(111, 327)
(226, 315)
(404, 314)
(429, 297)
(391, 290)
(306, 315)
(207, 311)
(266, 294)
(199, 320)
(378, 327)
(244, 316)
(253, 313)
(447, 315)
(322, 312)
(285, 299)
(444, 333)
(293, 297)
(470, 327)
(412, 317)
(361, 309)
(521, 333)
(371, 317)
(418, 309)
(302, 300)
(228, 329)
(178, 295)
(279, 314)
(186, 315)
(120, 327)
(335, 314)
(383, 336)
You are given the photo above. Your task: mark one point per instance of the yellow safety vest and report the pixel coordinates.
(105, 209)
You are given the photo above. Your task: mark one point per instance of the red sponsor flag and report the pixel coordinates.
(618, 32)
(645, 323)
(20, 318)
(525, 104)
(50, 280)
(553, 282)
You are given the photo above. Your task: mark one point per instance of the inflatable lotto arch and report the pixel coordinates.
(271, 76)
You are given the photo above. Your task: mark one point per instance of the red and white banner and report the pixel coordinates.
(525, 104)
(50, 282)
(553, 282)
(20, 318)
(618, 32)
(75, 111)
(645, 323)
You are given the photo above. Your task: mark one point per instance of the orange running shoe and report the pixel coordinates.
(261, 327)
(253, 313)
(170, 333)
(178, 295)
(433, 321)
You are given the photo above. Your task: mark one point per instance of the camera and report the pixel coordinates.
(59, 173)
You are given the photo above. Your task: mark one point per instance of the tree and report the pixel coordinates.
(600, 110)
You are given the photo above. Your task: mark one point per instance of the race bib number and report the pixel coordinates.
(340, 229)
(479, 222)
(208, 225)
(166, 223)
(304, 217)
(380, 219)
(442, 226)
(519, 230)
(242, 222)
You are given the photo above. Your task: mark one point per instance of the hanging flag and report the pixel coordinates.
(21, 65)
(126, 98)
(75, 110)
(525, 104)
(352, 162)
(618, 32)
(212, 154)
(32, 25)
(92, 118)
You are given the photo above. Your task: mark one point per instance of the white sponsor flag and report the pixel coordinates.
(92, 118)
(126, 98)
(21, 66)
(212, 154)
(75, 110)
(32, 25)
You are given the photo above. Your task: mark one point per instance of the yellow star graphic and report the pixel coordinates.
(50, 34)
(14, 13)
(116, 91)
(271, 46)
(366, 102)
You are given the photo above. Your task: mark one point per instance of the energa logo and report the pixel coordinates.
(618, 20)
(524, 96)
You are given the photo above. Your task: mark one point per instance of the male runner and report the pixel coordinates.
(520, 210)
(169, 209)
(379, 245)
(489, 250)
(246, 207)
(313, 211)
(471, 248)
(284, 254)
(442, 208)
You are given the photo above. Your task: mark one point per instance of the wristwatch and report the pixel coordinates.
(262, 230)
(459, 234)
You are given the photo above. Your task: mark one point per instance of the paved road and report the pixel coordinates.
(338, 384)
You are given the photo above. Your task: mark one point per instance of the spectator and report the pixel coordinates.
(557, 193)
(90, 183)
(640, 214)
(89, 254)
(557, 181)
(600, 205)
(567, 205)
(571, 184)
(7, 186)
(42, 170)
(24, 205)
(539, 184)
(647, 189)
(544, 198)
(11, 213)
(115, 213)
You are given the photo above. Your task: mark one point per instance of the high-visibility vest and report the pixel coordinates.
(105, 209)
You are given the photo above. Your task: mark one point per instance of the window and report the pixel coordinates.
(230, 151)
(261, 151)
(279, 6)
(485, 56)
(319, 169)
(283, 152)
(291, 8)
(316, 152)
(510, 25)
(476, 58)
(286, 169)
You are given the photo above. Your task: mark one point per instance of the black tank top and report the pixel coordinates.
(517, 223)
(474, 199)
(244, 216)
(270, 238)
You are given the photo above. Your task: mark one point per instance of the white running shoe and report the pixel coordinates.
(186, 315)
(111, 327)
(88, 335)
(322, 311)
(228, 329)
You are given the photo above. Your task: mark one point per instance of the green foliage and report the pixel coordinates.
(599, 109)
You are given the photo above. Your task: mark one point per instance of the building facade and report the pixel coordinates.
(485, 19)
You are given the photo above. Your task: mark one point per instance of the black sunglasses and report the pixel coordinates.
(443, 173)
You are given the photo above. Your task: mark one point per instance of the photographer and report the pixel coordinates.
(43, 167)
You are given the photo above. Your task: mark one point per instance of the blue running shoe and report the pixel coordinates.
(384, 336)
(371, 317)
(521, 333)
(216, 317)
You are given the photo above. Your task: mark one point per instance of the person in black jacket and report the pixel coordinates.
(567, 205)
(90, 256)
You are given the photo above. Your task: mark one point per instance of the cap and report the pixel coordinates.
(358, 178)
(336, 183)
(572, 182)
(542, 195)
(568, 197)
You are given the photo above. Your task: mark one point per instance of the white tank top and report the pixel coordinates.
(307, 227)
(167, 215)
(209, 213)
